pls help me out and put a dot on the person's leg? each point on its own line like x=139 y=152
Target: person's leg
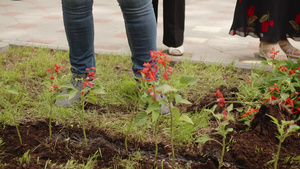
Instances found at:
x=140 y=27
x=174 y=16
x=79 y=27
x=141 y=34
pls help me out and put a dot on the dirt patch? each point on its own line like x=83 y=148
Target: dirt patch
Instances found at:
x=250 y=148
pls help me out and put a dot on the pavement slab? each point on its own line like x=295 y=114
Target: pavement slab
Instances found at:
x=207 y=23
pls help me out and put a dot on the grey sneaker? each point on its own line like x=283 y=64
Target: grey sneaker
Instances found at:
x=77 y=80
x=164 y=107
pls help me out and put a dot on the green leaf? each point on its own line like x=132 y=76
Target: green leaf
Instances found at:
x=12 y=89
x=98 y=91
x=167 y=88
x=67 y=85
x=72 y=93
x=92 y=99
x=59 y=97
x=274 y=120
x=230 y=108
x=153 y=106
x=219 y=116
x=229 y=129
x=186 y=118
x=155 y=115
x=203 y=139
x=284 y=96
x=188 y=80
x=176 y=112
x=140 y=119
x=179 y=99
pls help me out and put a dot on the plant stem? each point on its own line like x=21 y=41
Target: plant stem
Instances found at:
x=172 y=144
x=155 y=137
x=277 y=155
x=83 y=124
x=50 y=117
x=14 y=118
x=223 y=151
x=130 y=126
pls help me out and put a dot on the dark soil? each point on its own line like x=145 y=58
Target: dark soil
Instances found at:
x=250 y=148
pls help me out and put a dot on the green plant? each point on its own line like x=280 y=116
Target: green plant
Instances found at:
x=152 y=88
x=286 y=128
x=223 y=121
x=25 y=158
x=52 y=87
x=13 y=90
x=90 y=89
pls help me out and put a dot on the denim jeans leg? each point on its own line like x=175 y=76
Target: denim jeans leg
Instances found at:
x=79 y=27
x=140 y=26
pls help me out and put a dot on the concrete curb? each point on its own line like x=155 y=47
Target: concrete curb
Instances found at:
x=4 y=47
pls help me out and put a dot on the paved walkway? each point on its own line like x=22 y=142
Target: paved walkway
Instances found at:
x=39 y=22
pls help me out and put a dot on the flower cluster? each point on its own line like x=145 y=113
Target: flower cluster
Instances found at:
x=53 y=70
x=91 y=75
x=221 y=101
x=274 y=52
x=151 y=68
x=282 y=68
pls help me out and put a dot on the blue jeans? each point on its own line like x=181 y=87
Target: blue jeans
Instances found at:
x=140 y=26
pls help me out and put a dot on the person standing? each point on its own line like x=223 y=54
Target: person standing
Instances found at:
x=173 y=21
x=273 y=22
x=141 y=32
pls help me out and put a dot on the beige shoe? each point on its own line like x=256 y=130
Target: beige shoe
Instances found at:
x=271 y=51
x=176 y=51
x=289 y=50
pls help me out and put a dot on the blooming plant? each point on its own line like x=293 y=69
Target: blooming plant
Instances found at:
x=222 y=120
x=282 y=86
x=52 y=86
x=152 y=89
x=88 y=94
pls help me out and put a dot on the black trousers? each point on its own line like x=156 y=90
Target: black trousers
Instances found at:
x=173 y=19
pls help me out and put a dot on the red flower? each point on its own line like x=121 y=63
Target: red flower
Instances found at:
x=52 y=77
x=272 y=98
x=149 y=89
x=250 y=111
x=90 y=83
x=221 y=101
x=274 y=53
x=250 y=11
x=93 y=68
x=218 y=93
x=158 y=91
x=265 y=26
x=48 y=69
x=297 y=20
x=272 y=22
x=55 y=86
x=249 y=80
x=272 y=89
